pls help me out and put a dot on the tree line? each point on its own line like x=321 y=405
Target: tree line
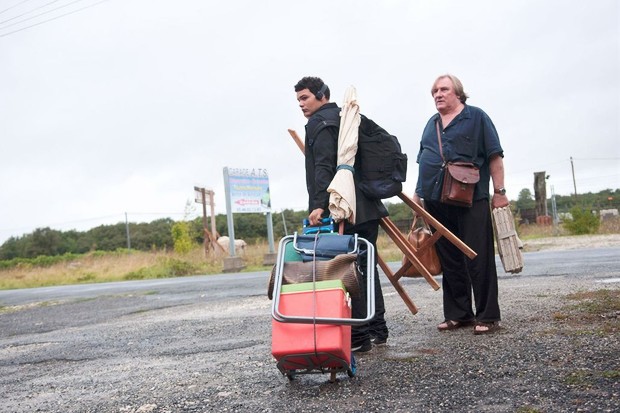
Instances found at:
x=606 y=199
x=157 y=235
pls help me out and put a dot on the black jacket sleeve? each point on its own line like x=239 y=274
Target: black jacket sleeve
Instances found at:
x=324 y=155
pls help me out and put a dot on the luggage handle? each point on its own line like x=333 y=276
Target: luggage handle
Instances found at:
x=326 y=246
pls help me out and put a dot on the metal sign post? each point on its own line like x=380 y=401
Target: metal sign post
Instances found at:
x=248 y=192
x=229 y=212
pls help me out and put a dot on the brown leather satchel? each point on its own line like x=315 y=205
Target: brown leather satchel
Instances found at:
x=426 y=253
x=459 y=180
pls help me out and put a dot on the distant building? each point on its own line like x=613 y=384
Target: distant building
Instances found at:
x=608 y=213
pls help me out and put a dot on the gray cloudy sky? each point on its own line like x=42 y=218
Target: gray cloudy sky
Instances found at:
x=124 y=106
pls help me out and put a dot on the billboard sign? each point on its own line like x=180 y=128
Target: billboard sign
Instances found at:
x=249 y=190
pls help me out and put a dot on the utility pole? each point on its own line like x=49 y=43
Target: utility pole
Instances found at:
x=554 y=210
x=284 y=223
x=127 y=232
x=203 y=201
x=573 y=169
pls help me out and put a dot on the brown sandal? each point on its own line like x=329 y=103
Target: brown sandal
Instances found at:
x=490 y=327
x=448 y=325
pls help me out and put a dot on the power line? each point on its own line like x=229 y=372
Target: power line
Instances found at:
x=29 y=11
x=15 y=5
x=548 y=165
x=51 y=19
x=596 y=159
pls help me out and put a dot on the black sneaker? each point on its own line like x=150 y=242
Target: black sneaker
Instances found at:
x=362 y=348
x=378 y=340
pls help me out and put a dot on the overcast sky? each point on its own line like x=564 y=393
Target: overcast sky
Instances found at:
x=124 y=106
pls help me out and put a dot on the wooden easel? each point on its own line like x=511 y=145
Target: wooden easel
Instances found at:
x=405 y=246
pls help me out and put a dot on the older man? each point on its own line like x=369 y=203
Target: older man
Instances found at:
x=466 y=134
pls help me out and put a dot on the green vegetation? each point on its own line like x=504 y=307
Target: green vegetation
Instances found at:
x=164 y=248
x=121 y=265
x=163 y=235
x=528 y=409
x=595 y=304
x=582 y=222
x=181 y=237
x=590 y=313
x=166 y=268
x=166 y=234
x=608 y=198
x=525 y=200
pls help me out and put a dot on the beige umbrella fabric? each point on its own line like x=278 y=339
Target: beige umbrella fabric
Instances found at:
x=342 y=188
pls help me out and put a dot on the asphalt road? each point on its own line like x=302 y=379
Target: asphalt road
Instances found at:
x=189 y=290
x=203 y=343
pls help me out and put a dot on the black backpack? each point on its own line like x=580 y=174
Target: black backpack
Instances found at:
x=380 y=162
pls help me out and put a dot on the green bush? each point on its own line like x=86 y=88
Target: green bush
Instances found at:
x=582 y=222
x=179 y=268
x=40 y=261
x=181 y=237
x=166 y=268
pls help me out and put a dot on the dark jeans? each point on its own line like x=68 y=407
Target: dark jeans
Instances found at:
x=377 y=326
x=462 y=276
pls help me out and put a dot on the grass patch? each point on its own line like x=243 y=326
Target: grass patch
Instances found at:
x=560 y=316
x=87 y=277
x=533 y=231
x=593 y=312
x=165 y=268
x=123 y=264
x=578 y=378
x=611 y=374
x=589 y=378
x=597 y=303
x=528 y=409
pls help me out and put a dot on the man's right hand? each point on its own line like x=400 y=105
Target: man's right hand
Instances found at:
x=315 y=216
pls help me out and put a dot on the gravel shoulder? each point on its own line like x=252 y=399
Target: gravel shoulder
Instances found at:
x=215 y=356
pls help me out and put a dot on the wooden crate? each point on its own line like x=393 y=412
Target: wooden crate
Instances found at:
x=508 y=243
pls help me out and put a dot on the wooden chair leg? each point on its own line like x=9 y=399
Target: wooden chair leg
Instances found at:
x=397 y=286
x=438 y=227
x=399 y=239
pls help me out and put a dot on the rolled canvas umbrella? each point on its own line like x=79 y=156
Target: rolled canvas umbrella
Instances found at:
x=342 y=188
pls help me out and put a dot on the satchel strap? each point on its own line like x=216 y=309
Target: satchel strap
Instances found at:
x=439 y=140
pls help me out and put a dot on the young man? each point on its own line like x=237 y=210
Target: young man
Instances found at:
x=467 y=134
x=321 y=147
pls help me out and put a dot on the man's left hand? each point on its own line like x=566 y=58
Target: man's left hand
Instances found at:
x=499 y=201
